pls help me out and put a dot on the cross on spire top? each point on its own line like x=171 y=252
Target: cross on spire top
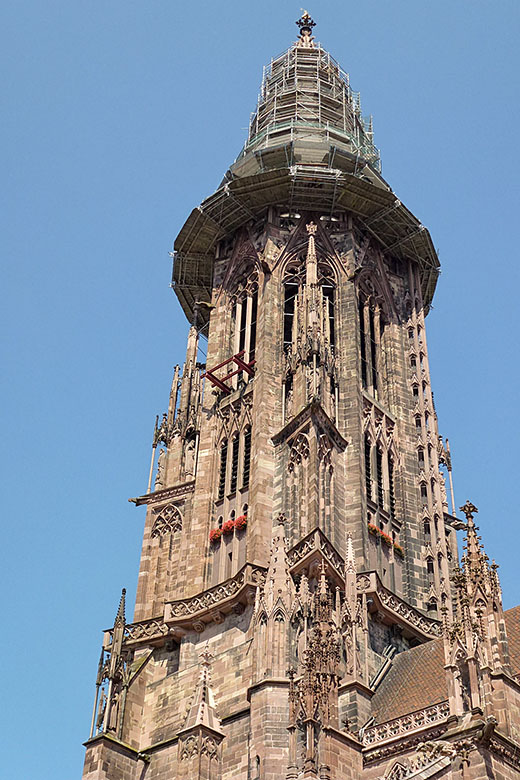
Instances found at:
x=306 y=23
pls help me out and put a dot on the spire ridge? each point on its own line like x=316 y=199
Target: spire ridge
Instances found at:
x=350 y=560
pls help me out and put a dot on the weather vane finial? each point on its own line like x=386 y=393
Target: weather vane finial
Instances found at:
x=305 y=23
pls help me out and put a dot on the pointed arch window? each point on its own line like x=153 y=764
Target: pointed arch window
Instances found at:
x=391 y=487
x=234 y=469
x=244 y=320
x=371 y=328
x=293 y=286
x=379 y=476
x=222 y=469
x=368 y=469
x=246 y=469
x=234 y=464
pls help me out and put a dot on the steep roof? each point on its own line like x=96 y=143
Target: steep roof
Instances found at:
x=417 y=678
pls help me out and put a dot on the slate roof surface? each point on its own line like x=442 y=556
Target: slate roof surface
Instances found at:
x=417 y=678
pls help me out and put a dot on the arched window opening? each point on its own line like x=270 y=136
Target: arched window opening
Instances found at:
x=242 y=330
x=416 y=391
x=379 y=476
x=252 y=327
x=247 y=458
x=373 y=349
x=363 y=348
x=290 y=294
x=220 y=521
x=371 y=329
x=426 y=528
x=418 y=422
x=368 y=471
x=424 y=490
x=234 y=465
x=391 y=488
x=413 y=361
x=294 y=284
x=420 y=456
x=222 y=469
x=429 y=565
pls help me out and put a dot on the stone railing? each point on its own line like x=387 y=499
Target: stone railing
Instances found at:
x=314 y=541
x=206 y=606
x=367 y=582
x=412 y=615
x=398 y=727
x=144 y=631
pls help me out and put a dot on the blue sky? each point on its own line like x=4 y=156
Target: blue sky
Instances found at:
x=118 y=119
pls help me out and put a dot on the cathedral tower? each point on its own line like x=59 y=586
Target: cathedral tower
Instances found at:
x=298 y=540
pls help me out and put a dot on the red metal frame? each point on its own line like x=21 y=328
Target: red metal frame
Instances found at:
x=242 y=366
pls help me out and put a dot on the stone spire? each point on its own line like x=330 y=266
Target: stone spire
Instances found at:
x=199 y=746
x=273 y=609
x=118 y=636
x=202 y=711
x=476 y=639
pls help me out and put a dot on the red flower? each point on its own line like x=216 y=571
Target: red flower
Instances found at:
x=399 y=550
x=241 y=523
x=228 y=527
x=373 y=529
x=215 y=534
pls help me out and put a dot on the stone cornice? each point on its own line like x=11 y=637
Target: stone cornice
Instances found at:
x=312 y=410
x=166 y=494
x=273 y=682
x=114 y=743
x=506 y=748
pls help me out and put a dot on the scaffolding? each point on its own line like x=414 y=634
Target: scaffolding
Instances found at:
x=304 y=91
x=308 y=149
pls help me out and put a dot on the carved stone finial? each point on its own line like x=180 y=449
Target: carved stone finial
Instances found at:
x=206 y=657
x=469 y=510
x=311 y=228
x=120 y=616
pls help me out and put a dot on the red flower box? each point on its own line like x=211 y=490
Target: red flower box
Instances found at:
x=241 y=523
x=228 y=527
x=215 y=534
x=398 y=550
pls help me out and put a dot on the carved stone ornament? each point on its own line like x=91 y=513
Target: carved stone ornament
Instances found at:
x=168 y=520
